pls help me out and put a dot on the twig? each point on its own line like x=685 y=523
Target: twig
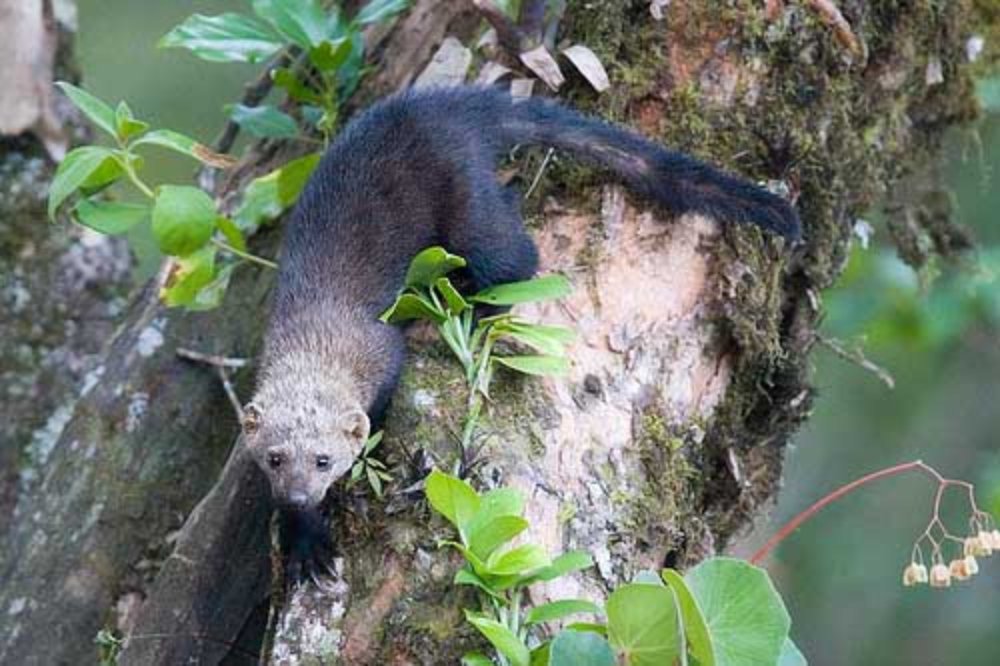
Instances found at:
x=511 y=37
x=538 y=175
x=222 y=366
x=856 y=356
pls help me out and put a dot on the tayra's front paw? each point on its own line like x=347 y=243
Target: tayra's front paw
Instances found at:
x=306 y=546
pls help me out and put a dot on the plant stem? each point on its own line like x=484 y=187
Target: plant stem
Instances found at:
x=244 y=255
x=808 y=513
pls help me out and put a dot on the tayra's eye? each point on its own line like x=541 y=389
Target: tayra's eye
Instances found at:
x=274 y=460
x=322 y=461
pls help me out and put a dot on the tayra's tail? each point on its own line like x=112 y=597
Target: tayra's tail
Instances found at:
x=676 y=181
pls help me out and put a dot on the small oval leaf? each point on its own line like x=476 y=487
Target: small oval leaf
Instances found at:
x=183 y=219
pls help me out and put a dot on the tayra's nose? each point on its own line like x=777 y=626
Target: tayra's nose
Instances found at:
x=298 y=499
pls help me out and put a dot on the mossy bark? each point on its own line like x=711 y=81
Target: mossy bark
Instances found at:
x=689 y=373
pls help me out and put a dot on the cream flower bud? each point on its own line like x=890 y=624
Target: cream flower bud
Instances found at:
x=959 y=570
x=940 y=576
x=971 y=565
x=985 y=543
x=995 y=539
x=975 y=547
x=914 y=574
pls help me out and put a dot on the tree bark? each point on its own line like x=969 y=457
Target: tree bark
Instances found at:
x=689 y=372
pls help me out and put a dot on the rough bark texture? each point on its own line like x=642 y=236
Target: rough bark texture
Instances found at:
x=688 y=375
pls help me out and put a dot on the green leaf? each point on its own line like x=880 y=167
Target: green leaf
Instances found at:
x=557 y=610
x=452 y=498
x=109 y=172
x=476 y=659
x=183 y=219
x=746 y=617
x=642 y=624
x=541 y=366
x=301 y=21
x=429 y=265
x=575 y=560
x=286 y=79
x=502 y=638
x=330 y=56
x=791 y=655
x=486 y=538
x=126 y=125
x=539 y=289
x=599 y=629
x=73 y=172
x=456 y=304
x=549 y=340
x=695 y=630
x=232 y=233
x=264 y=121
x=540 y=654
x=99 y=112
x=519 y=561
x=267 y=197
x=379 y=10
x=578 y=648
x=109 y=217
x=187 y=277
x=185 y=145
x=225 y=38
x=210 y=296
x=411 y=306
x=468 y=577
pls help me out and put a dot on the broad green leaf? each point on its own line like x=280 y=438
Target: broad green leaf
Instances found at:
x=330 y=56
x=502 y=638
x=286 y=79
x=429 y=265
x=745 y=616
x=183 y=219
x=225 y=38
x=578 y=648
x=699 y=641
x=232 y=233
x=495 y=504
x=642 y=624
x=99 y=113
x=187 y=276
x=73 y=172
x=486 y=538
x=575 y=560
x=540 y=654
x=557 y=610
x=267 y=197
x=549 y=340
x=185 y=145
x=301 y=21
x=126 y=125
x=476 y=659
x=451 y=497
x=110 y=217
x=264 y=121
x=379 y=10
x=539 y=289
x=468 y=577
x=791 y=655
x=535 y=365
x=411 y=306
x=456 y=304
x=109 y=172
x=210 y=296
x=519 y=561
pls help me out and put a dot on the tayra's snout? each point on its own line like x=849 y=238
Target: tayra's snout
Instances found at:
x=297 y=499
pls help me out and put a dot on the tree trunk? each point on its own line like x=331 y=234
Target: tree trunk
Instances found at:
x=689 y=371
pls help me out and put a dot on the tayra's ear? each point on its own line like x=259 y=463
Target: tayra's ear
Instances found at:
x=251 y=419
x=355 y=424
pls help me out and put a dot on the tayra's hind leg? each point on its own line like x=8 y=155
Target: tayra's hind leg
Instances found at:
x=494 y=241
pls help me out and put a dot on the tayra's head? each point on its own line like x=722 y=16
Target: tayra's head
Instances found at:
x=303 y=447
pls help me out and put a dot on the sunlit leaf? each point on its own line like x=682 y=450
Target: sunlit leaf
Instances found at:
x=549 y=340
x=232 y=233
x=210 y=296
x=73 y=172
x=187 y=276
x=330 y=56
x=97 y=111
x=791 y=655
x=574 y=560
x=502 y=638
x=409 y=307
x=451 y=497
x=225 y=38
x=183 y=219
x=642 y=624
x=110 y=217
x=126 y=125
x=699 y=640
x=519 y=561
x=185 y=145
x=541 y=366
x=476 y=659
x=301 y=21
x=431 y=264
x=557 y=610
x=539 y=289
x=267 y=197
x=485 y=538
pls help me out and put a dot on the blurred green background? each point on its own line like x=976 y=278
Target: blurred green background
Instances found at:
x=840 y=574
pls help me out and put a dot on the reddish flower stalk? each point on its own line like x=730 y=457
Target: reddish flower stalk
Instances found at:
x=805 y=515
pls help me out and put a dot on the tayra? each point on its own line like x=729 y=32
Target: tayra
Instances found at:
x=416 y=170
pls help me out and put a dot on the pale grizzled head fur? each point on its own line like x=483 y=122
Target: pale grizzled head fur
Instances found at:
x=305 y=426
